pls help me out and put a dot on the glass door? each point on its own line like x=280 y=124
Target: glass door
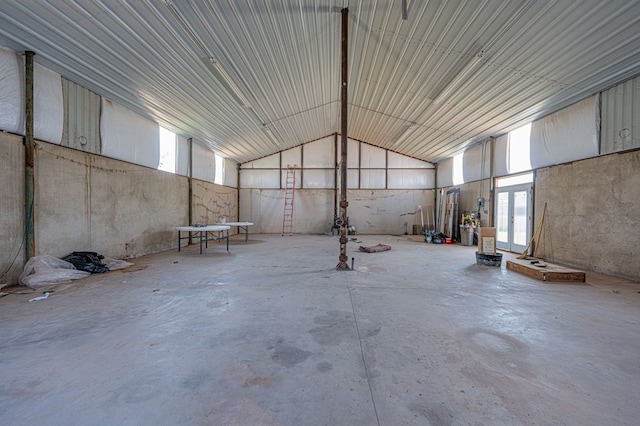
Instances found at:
x=513 y=217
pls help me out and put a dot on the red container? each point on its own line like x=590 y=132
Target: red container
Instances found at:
x=447 y=240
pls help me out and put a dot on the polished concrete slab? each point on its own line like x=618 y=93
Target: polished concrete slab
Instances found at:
x=271 y=334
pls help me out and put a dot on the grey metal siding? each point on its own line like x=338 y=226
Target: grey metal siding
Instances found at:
x=81 y=118
x=620 y=127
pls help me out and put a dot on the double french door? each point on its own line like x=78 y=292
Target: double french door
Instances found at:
x=513 y=217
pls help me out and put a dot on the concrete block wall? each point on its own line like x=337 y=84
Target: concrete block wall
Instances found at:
x=593 y=214
x=11 y=208
x=89 y=202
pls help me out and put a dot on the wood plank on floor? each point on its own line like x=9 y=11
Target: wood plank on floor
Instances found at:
x=545 y=271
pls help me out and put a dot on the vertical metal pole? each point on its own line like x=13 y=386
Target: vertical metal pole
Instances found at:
x=492 y=191
x=190 y=140
x=343 y=259
x=335 y=178
x=29 y=156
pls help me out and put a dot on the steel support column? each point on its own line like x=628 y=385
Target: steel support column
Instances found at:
x=343 y=259
x=190 y=140
x=29 y=159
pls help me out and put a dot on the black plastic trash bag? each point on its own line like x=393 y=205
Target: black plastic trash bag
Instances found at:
x=88 y=261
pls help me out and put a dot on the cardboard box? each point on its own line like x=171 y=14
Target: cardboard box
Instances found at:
x=486 y=240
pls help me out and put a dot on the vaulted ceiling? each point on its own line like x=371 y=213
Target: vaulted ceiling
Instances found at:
x=250 y=78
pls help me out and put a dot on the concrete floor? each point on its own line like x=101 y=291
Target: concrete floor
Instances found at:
x=271 y=334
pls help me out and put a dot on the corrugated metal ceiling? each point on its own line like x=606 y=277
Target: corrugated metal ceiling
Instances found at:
x=452 y=73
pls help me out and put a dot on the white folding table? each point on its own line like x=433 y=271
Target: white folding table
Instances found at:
x=244 y=226
x=203 y=233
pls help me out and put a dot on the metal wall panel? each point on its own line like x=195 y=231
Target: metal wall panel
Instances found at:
x=620 y=125
x=81 y=125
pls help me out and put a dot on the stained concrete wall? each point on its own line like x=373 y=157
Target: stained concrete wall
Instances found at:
x=593 y=214
x=88 y=202
x=370 y=211
x=11 y=207
x=211 y=202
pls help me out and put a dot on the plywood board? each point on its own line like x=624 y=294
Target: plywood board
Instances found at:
x=546 y=271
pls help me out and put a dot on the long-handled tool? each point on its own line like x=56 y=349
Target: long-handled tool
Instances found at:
x=535 y=236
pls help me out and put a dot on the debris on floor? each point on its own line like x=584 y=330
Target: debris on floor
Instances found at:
x=45 y=270
x=87 y=261
x=46 y=295
x=375 y=249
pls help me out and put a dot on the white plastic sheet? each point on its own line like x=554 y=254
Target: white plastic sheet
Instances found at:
x=10 y=92
x=292 y=157
x=353 y=178
x=256 y=178
x=472 y=167
x=128 y=136
x=319 y=154
x=43 y=271
x=321 y=179
x=568 y=135
x=399 y=161
x=230 y=173
x=501 y=154
x=48 y=105
x=270 y=162
x=182 y=156
x=353 y=154
x=372 y=157
x=445 y=173
x=204 y=163
x=410 y=179
x=373 y=178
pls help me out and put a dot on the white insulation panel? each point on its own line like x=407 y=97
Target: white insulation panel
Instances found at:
x=568 y=135
x=256 y=178
x=48 y=105
x=204 y=163
x=182 y=156
x=501 y=155
x=298 y=178
x=319 y=154
x=321 y=179
x=230 y=173
x=10 y=92
x=445 y=173
x=372 y=157
x=373 y=178
x=353 y=178
x=410 y=179
x=473 y=166
x=292 y=157
x=128 y=136
x=353 y=154
x=270 y=162
x=399 y=161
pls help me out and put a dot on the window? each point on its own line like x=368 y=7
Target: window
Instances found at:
x=167 y=151
x=514 y=180
x=219 y=178
x=519 y=151
x=458 y=176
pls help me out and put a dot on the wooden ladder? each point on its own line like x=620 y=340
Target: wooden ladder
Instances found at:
x=289 y=192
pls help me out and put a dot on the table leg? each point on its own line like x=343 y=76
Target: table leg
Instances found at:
x=179 y=240
x=227 y=240
x=201 y=241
